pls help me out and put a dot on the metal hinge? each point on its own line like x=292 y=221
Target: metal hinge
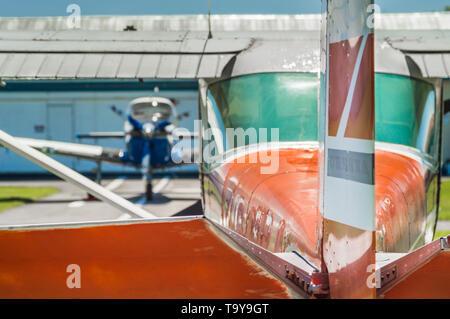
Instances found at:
x=316 y=286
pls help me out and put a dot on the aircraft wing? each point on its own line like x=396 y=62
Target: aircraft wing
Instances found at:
x=184 y=152
x=170 y=258
x=90 y=152
x=101 y=135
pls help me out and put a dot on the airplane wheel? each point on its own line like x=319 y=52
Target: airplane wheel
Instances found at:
x=149 y=192
x=89 y=197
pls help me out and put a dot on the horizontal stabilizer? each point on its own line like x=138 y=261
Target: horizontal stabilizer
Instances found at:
x=172 y=258
x=423 y=273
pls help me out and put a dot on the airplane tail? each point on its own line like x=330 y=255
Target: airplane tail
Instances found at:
x=347 y=195
x=347 y=166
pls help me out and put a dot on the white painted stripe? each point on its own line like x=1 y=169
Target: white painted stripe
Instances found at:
x=115 y=183
x=185 y=190
x=161 y=184
x=111 y=186
x=351 y=90
x=350 y=203
x=123 y=217
x=348 y=19
x=156 y=189
x=76 y=204
x=351 y=144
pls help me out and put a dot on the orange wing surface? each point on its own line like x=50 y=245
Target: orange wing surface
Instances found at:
x=179 y=259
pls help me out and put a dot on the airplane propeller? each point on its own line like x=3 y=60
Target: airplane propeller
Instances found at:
x=117 y=111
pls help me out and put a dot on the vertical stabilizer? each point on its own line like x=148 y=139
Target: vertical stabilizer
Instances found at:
x=347 y=124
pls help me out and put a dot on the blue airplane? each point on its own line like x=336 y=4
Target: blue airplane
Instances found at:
x=152 y=140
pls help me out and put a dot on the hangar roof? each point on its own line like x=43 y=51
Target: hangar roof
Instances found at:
x=256 y=22
x=179 y=47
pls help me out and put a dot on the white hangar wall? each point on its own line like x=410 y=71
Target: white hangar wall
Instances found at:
x=59 y=115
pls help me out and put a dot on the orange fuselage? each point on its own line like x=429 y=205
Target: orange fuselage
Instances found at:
x=279 y=211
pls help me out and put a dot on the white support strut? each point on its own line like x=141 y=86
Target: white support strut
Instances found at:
x=72 y=177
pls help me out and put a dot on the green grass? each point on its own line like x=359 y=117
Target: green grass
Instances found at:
x=441 y=233
x=12 y=196
x=444 y=204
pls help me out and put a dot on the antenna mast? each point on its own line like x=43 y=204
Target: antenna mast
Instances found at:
x=209 y=20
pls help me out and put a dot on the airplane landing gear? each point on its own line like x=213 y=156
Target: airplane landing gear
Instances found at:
x=148 y=191
x=148 y=182
x=98 y=175
x=147 y=174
